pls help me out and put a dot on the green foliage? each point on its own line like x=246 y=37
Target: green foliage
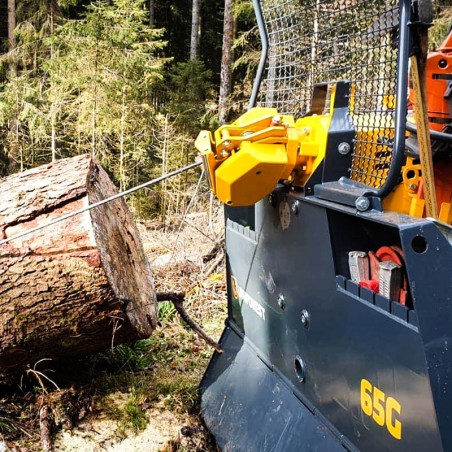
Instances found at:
x=247 y=48
x=93 y=76
x=441 y=25
x=83 y=85
x=175 y=17
x=173 y=149
x=133 y=357
x=244 y=13
x=190 y=86
x=134 y=415
x=67 y=3
x=105 y=66
x=176 y=376
x=166 y=311
x=7 y=426
x=129 y=414
x=160 y=369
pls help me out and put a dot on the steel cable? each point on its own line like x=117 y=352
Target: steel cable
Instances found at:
x=100 y=203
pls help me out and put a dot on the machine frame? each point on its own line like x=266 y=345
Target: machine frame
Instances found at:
x=313 y=360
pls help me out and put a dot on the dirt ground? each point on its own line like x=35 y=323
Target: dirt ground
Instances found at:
x=141 y=396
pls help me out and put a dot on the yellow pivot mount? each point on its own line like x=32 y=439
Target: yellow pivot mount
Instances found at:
x=246 y=159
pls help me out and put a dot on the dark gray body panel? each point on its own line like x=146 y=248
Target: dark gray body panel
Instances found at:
x=297 y=262
x=258 y=408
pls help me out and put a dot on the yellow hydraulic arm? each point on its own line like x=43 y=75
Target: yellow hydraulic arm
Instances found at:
x=245 y=160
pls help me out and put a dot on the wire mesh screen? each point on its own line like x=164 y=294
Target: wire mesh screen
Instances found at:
x=324 y=41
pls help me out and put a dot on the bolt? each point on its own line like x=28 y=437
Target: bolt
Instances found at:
x=281 y=301
x=224 y=153
x=412 y=187
x=272 y=200
x=295 y=207
x=227 y=143
x=276 y=121
x=305 y=318
x=362 y=203
x=343 y=148
x=306 y=130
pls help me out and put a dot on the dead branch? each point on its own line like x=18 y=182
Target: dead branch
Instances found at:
x=214 y=264
x=217 y=248
x=45 y=427
x=177 y=298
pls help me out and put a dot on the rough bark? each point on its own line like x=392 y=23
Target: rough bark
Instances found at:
x=11 y=36
x=151 y=13
x=78 y=286
x=226 y=60
x=195 y=21
x=15 y=152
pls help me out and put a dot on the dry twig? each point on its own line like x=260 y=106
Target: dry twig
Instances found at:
x=214 y=265
x=177 y=298
x=45 y=427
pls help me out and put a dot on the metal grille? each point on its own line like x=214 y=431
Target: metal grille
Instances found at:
x=324 y=41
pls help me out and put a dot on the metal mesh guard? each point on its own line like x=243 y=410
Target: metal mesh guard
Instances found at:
x=324 y=41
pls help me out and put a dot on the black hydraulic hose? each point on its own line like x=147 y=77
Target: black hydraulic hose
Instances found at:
x=440 y=136
x=264 y=52
x=400 y=113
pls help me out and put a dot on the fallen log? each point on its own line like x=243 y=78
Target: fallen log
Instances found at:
x=76 y=287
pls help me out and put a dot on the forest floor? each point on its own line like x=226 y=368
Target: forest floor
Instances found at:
x=141 y=396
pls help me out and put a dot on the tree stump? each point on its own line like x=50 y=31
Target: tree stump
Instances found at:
x=76 y=287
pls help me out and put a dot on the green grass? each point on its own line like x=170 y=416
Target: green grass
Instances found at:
x=133 y=357
x=165 y=311
x=134 y=414
x=7 y=426
x=129 y=414
x=164 y=370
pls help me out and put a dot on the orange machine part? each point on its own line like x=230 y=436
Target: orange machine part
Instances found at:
x=438 y=75
x=443 y=183
x=446 y=45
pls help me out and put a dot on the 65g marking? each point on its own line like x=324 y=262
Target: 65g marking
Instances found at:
x=385 y=411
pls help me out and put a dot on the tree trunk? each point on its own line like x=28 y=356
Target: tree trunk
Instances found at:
x=76 y=287
x=15 y=153
x=11 y=35
x=194 y=41
x=151 y=13
x=226 y=60
x=52 y=9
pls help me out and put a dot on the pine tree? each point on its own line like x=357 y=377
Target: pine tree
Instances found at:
x=190 y=85
x=107 y=63
x=84 y=85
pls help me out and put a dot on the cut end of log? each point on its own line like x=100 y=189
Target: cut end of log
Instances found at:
x=122 y=253
x=75 y=287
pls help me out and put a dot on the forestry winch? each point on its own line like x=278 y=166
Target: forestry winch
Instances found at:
x=339 y=314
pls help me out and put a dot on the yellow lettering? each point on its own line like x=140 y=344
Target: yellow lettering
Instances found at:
x=379 y=409
x=366 y=399
x=393 y=425
x=384 y=411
